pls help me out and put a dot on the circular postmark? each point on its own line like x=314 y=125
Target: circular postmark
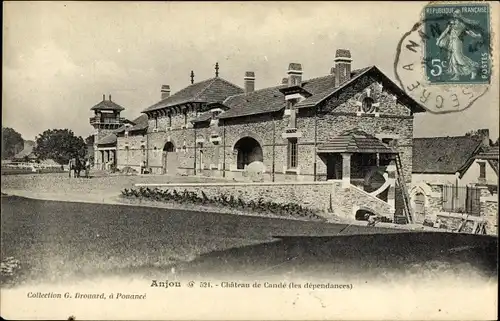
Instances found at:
x=444 y=61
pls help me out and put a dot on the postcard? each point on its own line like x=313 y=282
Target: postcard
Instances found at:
x=250 y=160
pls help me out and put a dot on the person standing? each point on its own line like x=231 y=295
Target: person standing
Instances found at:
x=71 y=167
x=87 y=168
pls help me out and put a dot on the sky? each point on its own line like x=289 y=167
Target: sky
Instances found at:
x=59 y=58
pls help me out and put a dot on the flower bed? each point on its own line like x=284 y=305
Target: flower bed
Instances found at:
x=191 y=198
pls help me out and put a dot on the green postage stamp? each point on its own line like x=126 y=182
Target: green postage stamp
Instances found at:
x=457 y=46
x=445 y=61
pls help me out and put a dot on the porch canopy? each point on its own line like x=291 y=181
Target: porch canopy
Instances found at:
x=354 y=141
x=353 y=148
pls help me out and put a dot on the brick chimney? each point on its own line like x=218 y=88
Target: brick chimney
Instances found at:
x=165 y=91
x=103 y=97
x=485 y=134
x=294 y=74
x=110 y=97
x=342 y=66
x=249 y=81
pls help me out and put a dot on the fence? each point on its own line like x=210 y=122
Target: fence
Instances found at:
x=462 y=199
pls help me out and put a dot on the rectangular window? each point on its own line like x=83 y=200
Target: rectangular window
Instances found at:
x=185 y=118
x=292 y=153
x=169 y=120
x=156 y=121
x=482 y=170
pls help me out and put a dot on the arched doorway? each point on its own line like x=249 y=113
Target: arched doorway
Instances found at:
x=361 y=214
x=248 y=151
x=169 y=157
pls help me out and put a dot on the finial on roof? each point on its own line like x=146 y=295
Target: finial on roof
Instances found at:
x=192 y=77
x=216 y=69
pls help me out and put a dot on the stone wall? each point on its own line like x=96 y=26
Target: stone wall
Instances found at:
x=314 y=195
x=393 y=120
x=347 y=201
x=130 y=151
x=329 y=197
x=434 y=208
x=489 y=210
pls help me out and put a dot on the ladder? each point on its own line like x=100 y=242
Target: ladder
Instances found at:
x=400 y=179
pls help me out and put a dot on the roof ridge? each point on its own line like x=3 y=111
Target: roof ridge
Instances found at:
x=459 y=136
x=229 y=83
x=277 y=86
x=352 y=79
x=255 y=91
x=319 y=77
x=210 y=82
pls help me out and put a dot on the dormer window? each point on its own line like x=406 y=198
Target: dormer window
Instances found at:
x=216 y=112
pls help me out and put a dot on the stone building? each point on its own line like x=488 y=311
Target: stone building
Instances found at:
x=343 y=125
x=448 y=160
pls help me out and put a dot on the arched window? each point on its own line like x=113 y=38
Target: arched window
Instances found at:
x=367 y=105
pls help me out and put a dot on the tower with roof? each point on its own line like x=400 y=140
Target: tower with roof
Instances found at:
x=105 y=121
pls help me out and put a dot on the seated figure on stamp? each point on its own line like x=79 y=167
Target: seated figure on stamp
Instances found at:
x=451 y=40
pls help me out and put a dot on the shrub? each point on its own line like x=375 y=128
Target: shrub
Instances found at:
x=186 y=197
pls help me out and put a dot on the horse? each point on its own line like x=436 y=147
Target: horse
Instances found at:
x=75 y=165
x=79 y=166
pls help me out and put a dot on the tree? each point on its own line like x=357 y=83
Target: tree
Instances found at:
x=12 y=142
x=60 y=145
x=89 y=140
x=473 y=133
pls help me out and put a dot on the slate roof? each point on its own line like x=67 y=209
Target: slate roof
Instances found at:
x=444 y=155
x=270 y=99
x=107 y=140
x=139 y=123
x=210 y=90
x=354 y=141
x=372 y=70
x=489 y=153
x=107 y=105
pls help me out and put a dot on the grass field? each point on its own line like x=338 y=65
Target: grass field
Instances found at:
x=59 y=241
